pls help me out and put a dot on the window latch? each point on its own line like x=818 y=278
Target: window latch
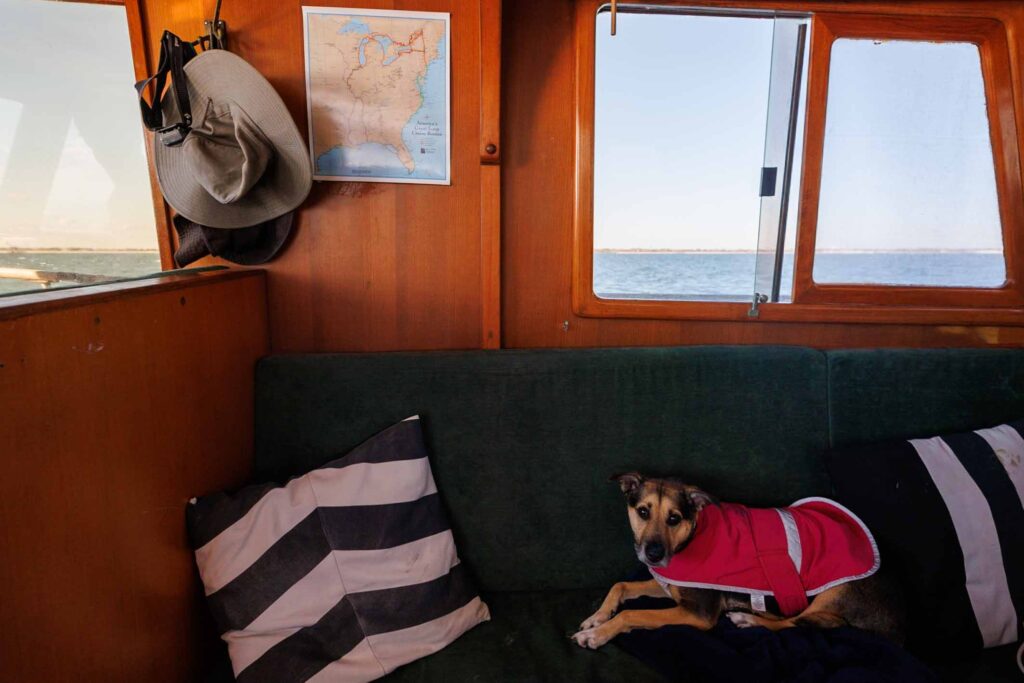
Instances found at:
x=768 y=176
x=759 y=299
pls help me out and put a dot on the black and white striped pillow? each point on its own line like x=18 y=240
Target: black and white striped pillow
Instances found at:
x=342 y=574
x=949 y=514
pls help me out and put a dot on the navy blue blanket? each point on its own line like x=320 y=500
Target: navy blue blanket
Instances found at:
x=756 y=655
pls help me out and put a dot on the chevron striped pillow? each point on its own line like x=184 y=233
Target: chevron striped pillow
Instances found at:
x=342 y=574
x=949 y=514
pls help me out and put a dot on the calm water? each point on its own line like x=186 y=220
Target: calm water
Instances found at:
x=731 y=276
x=114 y=264
x=713 y=276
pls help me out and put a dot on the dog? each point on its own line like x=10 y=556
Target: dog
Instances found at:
x=665 y=515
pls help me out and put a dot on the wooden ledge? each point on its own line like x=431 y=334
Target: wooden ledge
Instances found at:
x=33 y=303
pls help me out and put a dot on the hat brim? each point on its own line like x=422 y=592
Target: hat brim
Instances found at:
x=220 y=75
x=258 y=243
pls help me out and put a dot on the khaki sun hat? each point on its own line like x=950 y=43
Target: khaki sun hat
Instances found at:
x=242 y=161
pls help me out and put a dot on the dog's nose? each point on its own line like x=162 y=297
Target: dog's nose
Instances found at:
x=655 y=552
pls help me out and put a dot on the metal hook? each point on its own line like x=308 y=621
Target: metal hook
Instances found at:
x=216 y=31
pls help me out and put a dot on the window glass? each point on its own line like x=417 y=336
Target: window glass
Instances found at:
x=681 y=105
x=75 y=198
x=908 y=191
x=679 y=126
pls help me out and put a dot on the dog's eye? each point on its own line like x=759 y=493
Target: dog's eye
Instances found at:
x=674 y=519
x=643 y=512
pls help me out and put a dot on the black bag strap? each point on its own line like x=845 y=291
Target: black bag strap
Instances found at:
x=174 y=55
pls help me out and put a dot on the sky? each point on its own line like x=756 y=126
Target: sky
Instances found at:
x=73 y=170
x=679 y=137
x=680 y=114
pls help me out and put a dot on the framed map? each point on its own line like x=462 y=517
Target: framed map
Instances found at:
x=378 y=94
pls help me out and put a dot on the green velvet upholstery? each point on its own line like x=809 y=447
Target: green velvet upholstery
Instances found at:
x=878 y=395
x=527 y=641
x=523 y=442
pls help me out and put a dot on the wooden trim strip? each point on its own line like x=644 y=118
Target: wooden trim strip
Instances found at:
x=490 y=174
x=583 y=297
x=814 y=145
x=800 y=313
x=34 y=303
x=490 y=256
x=490 y=82
x=137 y=34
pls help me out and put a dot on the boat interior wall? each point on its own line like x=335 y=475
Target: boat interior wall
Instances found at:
x=539 y=181
x=117 y=407
x=375 y=266
x=488 y=261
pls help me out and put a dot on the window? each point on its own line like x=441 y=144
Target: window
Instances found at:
x=688 y=109
x=751 y=164
x=908 y=187
x=75 y=198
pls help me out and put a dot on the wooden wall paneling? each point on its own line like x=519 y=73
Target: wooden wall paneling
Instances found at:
x=538 y=204
x=490 y=173
x=116 y=410
x=371 y=266
x=490 y=81
x=490 y=255
x=143 y=69
x=820 y=54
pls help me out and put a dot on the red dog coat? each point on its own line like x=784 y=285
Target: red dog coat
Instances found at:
x=789 y=553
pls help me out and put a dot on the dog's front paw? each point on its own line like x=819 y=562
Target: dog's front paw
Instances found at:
x=742 y=619
x=595 y=619
x=592 y=638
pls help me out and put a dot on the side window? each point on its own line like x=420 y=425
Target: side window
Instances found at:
x=908 y=184
x=691 y=126
x=852 y=167
x=75 y=198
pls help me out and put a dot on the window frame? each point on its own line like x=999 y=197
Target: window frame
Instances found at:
x=812 y=302
x=989 y=36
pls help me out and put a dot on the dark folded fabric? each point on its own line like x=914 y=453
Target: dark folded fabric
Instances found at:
x=728 y=654
x=250 y=246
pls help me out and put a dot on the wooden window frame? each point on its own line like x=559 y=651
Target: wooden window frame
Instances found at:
x=814 y=302
x=989 y=36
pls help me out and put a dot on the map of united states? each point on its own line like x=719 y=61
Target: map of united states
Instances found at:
x=378 y=96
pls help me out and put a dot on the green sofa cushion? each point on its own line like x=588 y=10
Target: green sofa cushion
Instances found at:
x=527 y=641
x=523 y=442
x=884 y=394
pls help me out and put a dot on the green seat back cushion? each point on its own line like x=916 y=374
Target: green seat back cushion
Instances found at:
x=523 y=442
x=883 y=394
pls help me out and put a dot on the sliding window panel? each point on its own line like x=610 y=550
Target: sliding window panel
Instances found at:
x=680 y=103
x=773 y=267
x=76 y=204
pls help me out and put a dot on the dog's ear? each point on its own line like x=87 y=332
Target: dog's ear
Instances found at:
x=629 y=482
x=700 y=499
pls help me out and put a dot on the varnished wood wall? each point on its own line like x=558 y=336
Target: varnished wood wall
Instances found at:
x=371 y=266
x=538 y=180
x=113 y=413
x=377 y=267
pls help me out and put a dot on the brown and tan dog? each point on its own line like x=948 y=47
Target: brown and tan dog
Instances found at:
x=663 y=514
